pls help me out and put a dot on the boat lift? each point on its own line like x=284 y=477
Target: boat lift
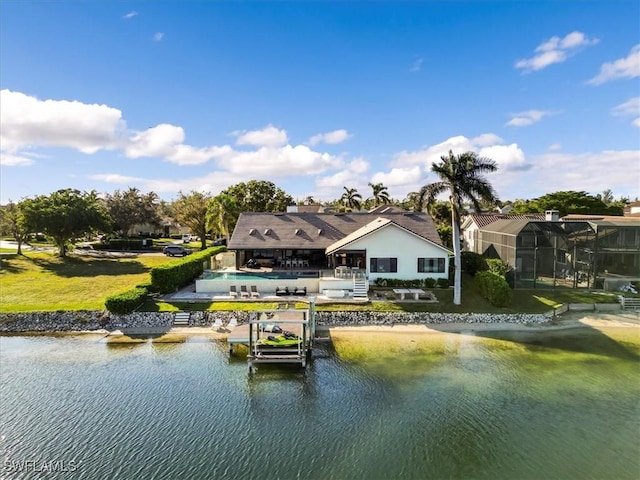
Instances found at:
x=299 y=322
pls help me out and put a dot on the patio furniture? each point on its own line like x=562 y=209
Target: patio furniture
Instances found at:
x=233 y=323
x=254 y=292
x=282 y=291
x=243 y=291
x=300 y=291
x=233 y=291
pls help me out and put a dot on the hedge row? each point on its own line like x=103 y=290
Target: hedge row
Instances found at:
x=415 y=283
x=171 y=276
x=494 y=288
x=126 y=302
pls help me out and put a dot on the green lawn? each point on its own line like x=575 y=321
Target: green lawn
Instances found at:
x=44 y=282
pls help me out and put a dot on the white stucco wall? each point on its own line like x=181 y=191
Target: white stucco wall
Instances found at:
x=393 y=242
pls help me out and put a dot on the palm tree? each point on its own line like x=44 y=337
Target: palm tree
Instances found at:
x=380 y=194
x=351 y=199
x=460 y=175
x=309 y=200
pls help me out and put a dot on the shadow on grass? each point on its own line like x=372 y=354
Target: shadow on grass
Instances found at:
x=10 y=267
x=88 y=266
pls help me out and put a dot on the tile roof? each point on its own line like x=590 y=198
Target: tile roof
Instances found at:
x=484 y=219
x=317 y=230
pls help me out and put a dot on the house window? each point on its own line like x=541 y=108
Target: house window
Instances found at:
x=384 y=265
x=431 y=265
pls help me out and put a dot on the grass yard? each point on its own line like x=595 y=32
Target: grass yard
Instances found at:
x=45 y=282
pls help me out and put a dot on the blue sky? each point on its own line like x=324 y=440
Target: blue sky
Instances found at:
x=315 y=96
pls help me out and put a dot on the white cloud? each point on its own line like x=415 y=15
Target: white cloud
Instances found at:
x=629 y=108
x=398 y=176
x=166 y=141
x=416 y=66
x=628 y=67
x=555 y=50
x=529 y=117
x=458 y=144
x=287 y=160
x=336 y=136
x=350 y=176
x=130 y=15
x=555 y=146
x=158 y=36
x=591 y=171
x=507 y=157
x=269 y=136
x=29 y=122
x=115 y=178
x=9 y=160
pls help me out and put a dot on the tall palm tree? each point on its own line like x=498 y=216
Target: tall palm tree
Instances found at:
x=380 y=194
x=351 y=199
x=462 y=176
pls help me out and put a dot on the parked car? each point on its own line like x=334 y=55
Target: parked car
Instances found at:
x=175 y=250
x=219 y=242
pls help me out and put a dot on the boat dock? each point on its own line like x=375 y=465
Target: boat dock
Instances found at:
x=282 y=336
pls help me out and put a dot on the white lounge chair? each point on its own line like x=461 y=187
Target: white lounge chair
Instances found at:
x=217 y=325
x=254 y=292
x=233 y=291
x=233 y=323
x=243 y=291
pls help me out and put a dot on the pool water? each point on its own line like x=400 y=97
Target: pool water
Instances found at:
x=246 y=276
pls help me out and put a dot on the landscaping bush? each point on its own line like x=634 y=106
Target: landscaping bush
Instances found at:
x=120 y=244
x=472 y=262
x=494 y=288
x=442 y=283
x=178 y=273
x=497 y=266
x=126 y=302
x=399 y=283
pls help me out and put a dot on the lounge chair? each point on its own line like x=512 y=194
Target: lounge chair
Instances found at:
x=217 y=325
x=232 y=323
x=254 y=292
x=233 y=291
x=300 y=291
x=243 y=291
x=282 y=291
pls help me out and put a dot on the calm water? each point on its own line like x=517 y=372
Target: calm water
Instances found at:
x=553 y=406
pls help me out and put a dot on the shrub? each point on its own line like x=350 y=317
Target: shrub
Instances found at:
x=442 y=283
x=497 y=266
x=126 y=302
x=121 y=244
x=494 y=288
x=473 y=262
x=430 y=282
x=178 y=273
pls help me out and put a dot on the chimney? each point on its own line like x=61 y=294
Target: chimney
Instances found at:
x=552 y=215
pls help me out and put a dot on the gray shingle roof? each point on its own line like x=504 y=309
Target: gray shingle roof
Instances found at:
x=317 y=230
x=484 y=219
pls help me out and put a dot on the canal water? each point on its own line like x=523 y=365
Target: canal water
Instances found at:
x=510 y=405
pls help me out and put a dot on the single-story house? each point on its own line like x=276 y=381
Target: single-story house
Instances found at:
x=394 y=244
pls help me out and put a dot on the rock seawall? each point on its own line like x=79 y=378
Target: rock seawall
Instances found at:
x=97 y=320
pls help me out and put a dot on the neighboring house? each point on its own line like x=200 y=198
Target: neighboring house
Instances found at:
x=632 y=209
x=590 y=251
x=472 y=223
x=403 y=245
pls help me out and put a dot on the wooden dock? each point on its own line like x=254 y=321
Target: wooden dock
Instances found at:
x=299 y=322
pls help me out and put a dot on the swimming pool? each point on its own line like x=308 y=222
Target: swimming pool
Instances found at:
x=247 y=276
